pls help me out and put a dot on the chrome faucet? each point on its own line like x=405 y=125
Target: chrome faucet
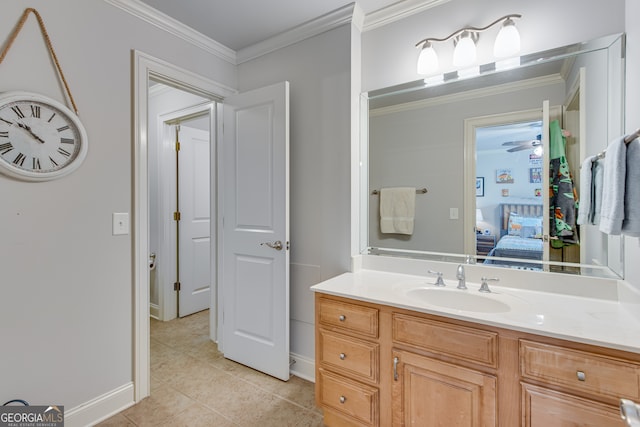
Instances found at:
x=461 y=278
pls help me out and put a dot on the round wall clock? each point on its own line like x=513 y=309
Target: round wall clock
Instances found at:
x=40 y=138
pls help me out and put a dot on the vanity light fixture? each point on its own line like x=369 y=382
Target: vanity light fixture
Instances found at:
x=507 y=45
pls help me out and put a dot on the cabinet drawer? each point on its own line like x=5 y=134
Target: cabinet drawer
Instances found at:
x=547 y=408
x=349 y=355
x=351 y=317
x=579 y=370
x=457 y=341
x=350 y=398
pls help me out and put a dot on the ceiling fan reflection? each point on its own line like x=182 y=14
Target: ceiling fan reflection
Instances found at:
x=527 y=144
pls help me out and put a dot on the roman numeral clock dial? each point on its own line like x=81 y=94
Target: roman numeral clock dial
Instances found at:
x=40 y=138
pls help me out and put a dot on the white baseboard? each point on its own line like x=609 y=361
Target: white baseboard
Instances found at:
x=100 y=408
x=154 y=311
x=303 y=367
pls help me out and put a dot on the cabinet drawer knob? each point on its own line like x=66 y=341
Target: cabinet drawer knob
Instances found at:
x=343 y=399
x=342 y=356
x=342 y=318
x=581 y=376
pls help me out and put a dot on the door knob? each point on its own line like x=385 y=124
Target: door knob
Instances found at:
x=277 y=245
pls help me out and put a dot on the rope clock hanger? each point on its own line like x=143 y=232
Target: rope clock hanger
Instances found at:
x=40 y=138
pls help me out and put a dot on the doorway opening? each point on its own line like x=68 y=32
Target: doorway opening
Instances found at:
x=146 y=69
x=255 y=201
x=182 y=183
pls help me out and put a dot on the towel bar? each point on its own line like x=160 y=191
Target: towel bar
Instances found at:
x=418 y=191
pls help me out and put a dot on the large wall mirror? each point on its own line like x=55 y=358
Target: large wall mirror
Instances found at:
x=483 y=148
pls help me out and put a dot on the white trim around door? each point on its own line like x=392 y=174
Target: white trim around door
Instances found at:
x=145 y=67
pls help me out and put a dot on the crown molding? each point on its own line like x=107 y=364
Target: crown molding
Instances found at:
x=309 y=29
x=358 y=17
x=172 y=26
x=397 y=11
x=344 y=15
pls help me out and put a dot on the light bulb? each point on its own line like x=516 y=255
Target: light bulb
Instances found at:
x=428 y=60
x=507 y=42
x=464 y=53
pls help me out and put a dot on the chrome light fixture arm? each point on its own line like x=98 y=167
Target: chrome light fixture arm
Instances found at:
x=471 y=30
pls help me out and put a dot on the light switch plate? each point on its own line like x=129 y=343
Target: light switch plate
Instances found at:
x=453 y=213
x=120 y=223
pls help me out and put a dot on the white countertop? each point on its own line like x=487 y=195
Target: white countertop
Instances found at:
x=595 y=321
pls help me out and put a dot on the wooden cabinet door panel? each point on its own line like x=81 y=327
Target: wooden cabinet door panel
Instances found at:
x=429 y=393
x=547 y=408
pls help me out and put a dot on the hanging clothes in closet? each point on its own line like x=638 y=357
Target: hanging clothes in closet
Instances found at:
x=563 y=198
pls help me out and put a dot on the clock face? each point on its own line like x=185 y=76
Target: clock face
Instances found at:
x=40 y=139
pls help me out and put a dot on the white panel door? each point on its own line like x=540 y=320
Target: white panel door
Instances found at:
x=255 y=242
x=194 y=241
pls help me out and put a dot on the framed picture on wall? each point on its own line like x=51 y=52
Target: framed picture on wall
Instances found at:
x=479 y=186
x=535 y=175
x=504 y=176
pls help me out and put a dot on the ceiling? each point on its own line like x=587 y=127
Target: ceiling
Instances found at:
x=238 y=24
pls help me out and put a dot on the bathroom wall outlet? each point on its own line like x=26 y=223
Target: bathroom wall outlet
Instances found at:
x=120 y=223
x=453 y=213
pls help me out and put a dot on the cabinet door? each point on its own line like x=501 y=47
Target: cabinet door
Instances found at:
x=428 y=392
x=547 y=408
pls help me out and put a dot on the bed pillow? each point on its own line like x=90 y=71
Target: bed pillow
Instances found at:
x=514 y=227
x=531 y=227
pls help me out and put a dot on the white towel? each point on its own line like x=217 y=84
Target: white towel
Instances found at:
x=397 y=210
x=613 y=183
x=584 y=209
x=631 y=222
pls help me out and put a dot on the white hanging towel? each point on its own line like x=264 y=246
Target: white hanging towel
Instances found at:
x=397 y=210
x=613 y=183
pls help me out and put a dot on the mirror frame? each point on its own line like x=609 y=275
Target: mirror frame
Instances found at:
x=542 y=57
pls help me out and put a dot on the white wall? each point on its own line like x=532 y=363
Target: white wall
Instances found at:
x=66 y=302
x=319 y=73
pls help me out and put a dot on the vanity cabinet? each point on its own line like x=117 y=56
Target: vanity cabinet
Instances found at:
x=378 y=365
x=347 y=363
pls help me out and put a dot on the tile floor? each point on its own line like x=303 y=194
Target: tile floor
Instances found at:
x=193 y=385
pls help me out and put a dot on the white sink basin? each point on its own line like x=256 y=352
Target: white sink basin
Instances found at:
x=458 y=299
